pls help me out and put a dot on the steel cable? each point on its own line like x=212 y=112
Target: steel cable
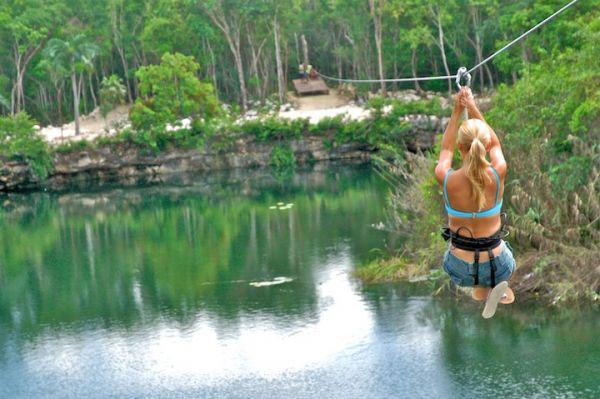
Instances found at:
x=420 y=79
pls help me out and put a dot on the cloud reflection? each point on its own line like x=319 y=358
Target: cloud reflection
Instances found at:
x=259 y=346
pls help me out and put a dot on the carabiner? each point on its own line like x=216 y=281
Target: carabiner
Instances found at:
x=462 y=73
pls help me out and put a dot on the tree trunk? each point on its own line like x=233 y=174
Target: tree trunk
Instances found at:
x=75 y=102
x=477 y=44
x=256 y=53
x=233 y=39
x=20 y=92
x=376 y=13
x=125 y=72
x=12 y=100
x=280 y=87
x=22 y=60
x=121 y=51
x=91 y=85
x=479 y=59
x=254 y=66
x=59 y=97
x=490 y=77
x=286 y=65
x=240 y=70
x=443 y=48
x=214 y=67
x=82 y=93
x=354 y=57
x=304 y=49
x=297 y=48
x=413 y=65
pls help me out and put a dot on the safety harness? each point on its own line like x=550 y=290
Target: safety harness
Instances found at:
x=477 y=245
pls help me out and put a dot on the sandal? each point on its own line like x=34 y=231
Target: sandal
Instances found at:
x=494 y=297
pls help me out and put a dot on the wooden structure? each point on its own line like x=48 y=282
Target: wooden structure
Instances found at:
x=312 y=86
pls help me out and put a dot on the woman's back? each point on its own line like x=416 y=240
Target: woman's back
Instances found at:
x=460 y=196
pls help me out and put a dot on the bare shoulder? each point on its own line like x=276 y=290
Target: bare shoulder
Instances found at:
x=443 y=166
x=501 y=167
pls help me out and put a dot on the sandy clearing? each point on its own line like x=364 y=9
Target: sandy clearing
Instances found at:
x=314 y=108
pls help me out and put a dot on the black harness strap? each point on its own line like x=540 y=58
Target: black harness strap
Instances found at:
x=477 y=245
x=476 y=264
x=492 y=267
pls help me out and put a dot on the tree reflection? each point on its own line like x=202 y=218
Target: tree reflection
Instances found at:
x=128 y=256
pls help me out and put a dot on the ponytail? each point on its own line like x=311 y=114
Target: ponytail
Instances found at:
x=476 y=171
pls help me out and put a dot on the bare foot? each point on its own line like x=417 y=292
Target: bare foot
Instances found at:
x=508 y=297
x=480 y=293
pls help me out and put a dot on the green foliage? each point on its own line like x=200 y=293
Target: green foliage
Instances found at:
x=73 y=146
x=165 y=35
x=548 y=126
x=20 y=141
x=112 y=93
x=282 y=158
x=326 y=124
x=4 y=102
x=75 y=55
x=415 y=213
x=171 y=91
x=275 y=128
x=129 y=34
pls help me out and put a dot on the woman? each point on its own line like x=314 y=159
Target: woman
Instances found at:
x=477 y=255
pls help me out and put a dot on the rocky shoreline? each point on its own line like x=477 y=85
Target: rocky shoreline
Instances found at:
x=130 y=165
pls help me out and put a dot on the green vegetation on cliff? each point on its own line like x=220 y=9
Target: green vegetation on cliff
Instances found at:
x=548 y=125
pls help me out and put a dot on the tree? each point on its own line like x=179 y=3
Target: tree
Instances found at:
x=4 y=102
x=57 y=72
x=229 y=17
x=76 y=56
x=171 y=91
x=376 y=9
x=20 y=140
x=26 y=26
x=438 y=13
x=280 y=80
x=112 y=93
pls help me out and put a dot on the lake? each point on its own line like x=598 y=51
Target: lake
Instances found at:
x=240 y=286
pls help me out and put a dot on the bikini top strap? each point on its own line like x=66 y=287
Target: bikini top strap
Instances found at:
x=497 y=183
x=448 y=173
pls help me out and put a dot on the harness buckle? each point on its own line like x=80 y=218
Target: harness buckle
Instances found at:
x=473 y=215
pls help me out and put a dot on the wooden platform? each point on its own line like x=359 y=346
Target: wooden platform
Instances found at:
x=313 y=86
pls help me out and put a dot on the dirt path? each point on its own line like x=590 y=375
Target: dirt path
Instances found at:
x=314 y=102
x=317 y=107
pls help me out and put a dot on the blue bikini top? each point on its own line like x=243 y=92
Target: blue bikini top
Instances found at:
x=473 y=215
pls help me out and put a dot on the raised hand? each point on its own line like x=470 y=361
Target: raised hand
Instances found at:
x=466 y=98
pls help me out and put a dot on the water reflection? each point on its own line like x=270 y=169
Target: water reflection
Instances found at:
x=127 y=255
x=204 y=290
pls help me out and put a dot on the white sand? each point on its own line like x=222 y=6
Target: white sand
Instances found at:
x=92 y=126
x=313 y=108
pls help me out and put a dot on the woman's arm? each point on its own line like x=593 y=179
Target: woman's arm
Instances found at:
x=449 y=141
x=496 y=155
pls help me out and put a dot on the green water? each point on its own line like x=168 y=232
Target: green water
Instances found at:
x=203 y=290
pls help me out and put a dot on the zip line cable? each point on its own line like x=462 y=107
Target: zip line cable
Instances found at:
x=462 y=72
x=388 y=80
x=551 y=17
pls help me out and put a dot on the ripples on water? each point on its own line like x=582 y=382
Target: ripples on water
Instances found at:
x=203 y=291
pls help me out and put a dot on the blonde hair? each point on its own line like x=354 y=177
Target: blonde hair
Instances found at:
x=474 y=137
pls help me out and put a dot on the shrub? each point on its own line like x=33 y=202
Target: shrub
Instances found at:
x=282 y=158
x=112 y=93
x=20 y=141
x=171 y=91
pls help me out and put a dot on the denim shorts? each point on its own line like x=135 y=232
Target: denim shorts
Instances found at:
x=463 y=273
